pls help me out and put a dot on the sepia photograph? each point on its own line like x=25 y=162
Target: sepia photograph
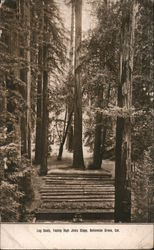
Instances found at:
x=77 y=116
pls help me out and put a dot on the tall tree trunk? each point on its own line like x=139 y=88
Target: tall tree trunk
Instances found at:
x=105 y=123
x=71 y=72
x=39 y=90
x=123 y=130
x=44 y=133
x=97 y=158
x=39 y=111
x=15 y=47
x=28 y=81
x=3 y=109
x=23 y=77
x=78 y=161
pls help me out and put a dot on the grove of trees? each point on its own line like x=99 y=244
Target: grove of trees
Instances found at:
x=95 y=90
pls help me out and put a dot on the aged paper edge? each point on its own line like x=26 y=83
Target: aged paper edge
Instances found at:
x=101 y=236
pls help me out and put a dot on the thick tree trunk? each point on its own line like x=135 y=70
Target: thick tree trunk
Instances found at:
x=97 y=158
x=123 y=130
x=44 y=134
x=45 y=115
x=78 y=161
x=71 y=72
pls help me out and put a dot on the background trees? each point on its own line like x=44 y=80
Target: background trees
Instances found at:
x=102 y=76
x=14 y=193
x=126 y=30
x=31 y=52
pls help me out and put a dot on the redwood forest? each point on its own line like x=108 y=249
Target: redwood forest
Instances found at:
x=77 y=110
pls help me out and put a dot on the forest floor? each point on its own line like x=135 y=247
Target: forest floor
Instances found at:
x=65 y=165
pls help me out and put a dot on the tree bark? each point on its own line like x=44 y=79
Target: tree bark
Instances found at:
x=44 y=134
x=25 y=76
x=97 y=158
x=105 y=125
x=39 y=109
x=3 y=109
x=71 y=72
x=45 y=115
x=100 y=137
x=38 y=142
x=123 y=130
x=64 y=137
x=78 y=161
x=28 y=82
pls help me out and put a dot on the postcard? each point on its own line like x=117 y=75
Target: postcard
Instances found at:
x=76 y=124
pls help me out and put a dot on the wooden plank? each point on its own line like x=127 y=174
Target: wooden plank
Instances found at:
x=77 y=178
x=78 y=194
x=74 y=197
x=78 y=205
x=83 y=173
x=91 y=188
x=79 y=187
x=72 y=192
x=47 y=199
x=78 y=183
x=50 y=210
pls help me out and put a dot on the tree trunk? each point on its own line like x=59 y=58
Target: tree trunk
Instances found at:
x=38 y=142
x=98 y=147
x=71 y=72
x=97 y=158
x=3 y=109
x=64 y=137
x=123 y=130
x=70 y=134
x=100 y=137
x=105 y=123
x=28 y=82
x=24 y=75
x=44 y=133
x=39 y=110
x=78 y=161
